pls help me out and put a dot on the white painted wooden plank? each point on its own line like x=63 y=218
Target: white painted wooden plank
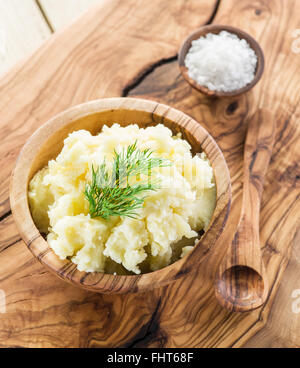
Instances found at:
x=22 y=30
x=62 y=12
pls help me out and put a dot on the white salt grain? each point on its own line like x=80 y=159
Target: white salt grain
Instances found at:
x=221 y=62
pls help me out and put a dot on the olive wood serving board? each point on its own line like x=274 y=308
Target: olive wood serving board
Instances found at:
x=129 y=48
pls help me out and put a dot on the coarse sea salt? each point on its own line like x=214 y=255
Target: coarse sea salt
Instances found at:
x=221 y=62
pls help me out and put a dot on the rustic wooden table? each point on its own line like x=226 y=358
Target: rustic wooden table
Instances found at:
x=129 y=48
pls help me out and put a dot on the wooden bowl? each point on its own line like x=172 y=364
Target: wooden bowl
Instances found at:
x=217 y=28
x=47 y=142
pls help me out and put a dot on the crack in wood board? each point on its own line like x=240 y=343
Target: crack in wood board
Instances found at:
x=5 y=215
x=130 y=88
x=144 y=74
x=43 y=13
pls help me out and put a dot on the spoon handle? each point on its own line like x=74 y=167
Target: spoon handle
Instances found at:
x=257 y=154
x=241 y=283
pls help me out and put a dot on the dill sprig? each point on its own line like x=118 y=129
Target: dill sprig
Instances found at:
x=114 y=192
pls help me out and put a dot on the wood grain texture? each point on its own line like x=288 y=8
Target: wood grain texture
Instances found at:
x=46 y=143
x=43 y=311
x=60 y=13
x=22 y=30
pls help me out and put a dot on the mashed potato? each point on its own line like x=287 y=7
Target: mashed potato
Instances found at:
x=179 y=209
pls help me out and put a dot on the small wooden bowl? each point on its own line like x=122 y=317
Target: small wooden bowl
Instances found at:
x=47 y=142
x=217 y=28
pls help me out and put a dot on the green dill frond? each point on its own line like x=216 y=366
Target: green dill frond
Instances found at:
x=110 y=192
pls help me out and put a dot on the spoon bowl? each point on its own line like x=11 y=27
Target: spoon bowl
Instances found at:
x=247 y=289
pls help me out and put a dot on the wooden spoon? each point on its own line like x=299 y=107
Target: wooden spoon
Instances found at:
x=241 y=282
